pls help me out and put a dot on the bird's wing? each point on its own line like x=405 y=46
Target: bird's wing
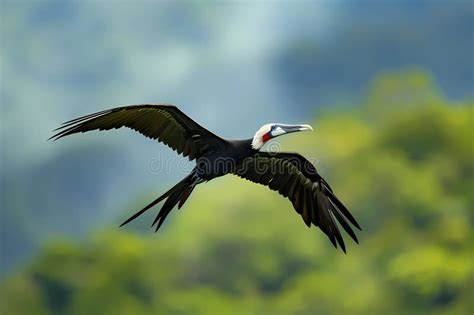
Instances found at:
x=165 y=123
x=296 y=178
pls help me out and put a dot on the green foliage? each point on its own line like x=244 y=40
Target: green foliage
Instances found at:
x=402 y=163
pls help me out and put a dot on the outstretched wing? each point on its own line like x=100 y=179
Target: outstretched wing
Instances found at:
x=296 y=178
x=165 y=123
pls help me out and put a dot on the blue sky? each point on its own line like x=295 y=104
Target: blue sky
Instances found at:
x=232 y=66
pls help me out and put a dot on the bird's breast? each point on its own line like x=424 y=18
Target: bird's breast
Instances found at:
x=211 y=167
x=215 y=165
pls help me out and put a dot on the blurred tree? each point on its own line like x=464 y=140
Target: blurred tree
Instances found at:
x=405 y=170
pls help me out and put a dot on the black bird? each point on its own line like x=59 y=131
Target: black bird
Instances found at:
x=290 y=174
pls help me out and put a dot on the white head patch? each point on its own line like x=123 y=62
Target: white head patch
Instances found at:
x=257 y=141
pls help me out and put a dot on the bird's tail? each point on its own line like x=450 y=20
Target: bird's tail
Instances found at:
x=179 y=193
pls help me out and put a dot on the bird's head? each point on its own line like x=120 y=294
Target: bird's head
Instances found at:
x=270 y=131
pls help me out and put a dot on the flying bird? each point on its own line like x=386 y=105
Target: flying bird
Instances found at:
x=290 y=174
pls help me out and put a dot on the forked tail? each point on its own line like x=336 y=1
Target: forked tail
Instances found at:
x=179 y=193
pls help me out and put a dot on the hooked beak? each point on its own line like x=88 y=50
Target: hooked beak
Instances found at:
x=284 y=129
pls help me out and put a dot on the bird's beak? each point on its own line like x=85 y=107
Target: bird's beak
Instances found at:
x=304 y=127
x=284 y=129
x=295 y=128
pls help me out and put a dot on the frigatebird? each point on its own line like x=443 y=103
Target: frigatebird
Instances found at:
x=290 y=174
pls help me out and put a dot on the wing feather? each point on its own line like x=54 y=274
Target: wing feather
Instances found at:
x=164 y=123
x=296 y=178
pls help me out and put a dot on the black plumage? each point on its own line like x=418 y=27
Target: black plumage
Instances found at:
x=290 y=174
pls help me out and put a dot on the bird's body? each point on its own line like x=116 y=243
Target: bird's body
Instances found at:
x=292 y=175
x=224 y=160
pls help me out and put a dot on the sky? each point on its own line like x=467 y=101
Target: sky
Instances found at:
x=231 y=66
x=221 y=62
x=64 y=60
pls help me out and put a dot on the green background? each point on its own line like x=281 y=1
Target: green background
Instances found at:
x=402 y=162
x=386 y=85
